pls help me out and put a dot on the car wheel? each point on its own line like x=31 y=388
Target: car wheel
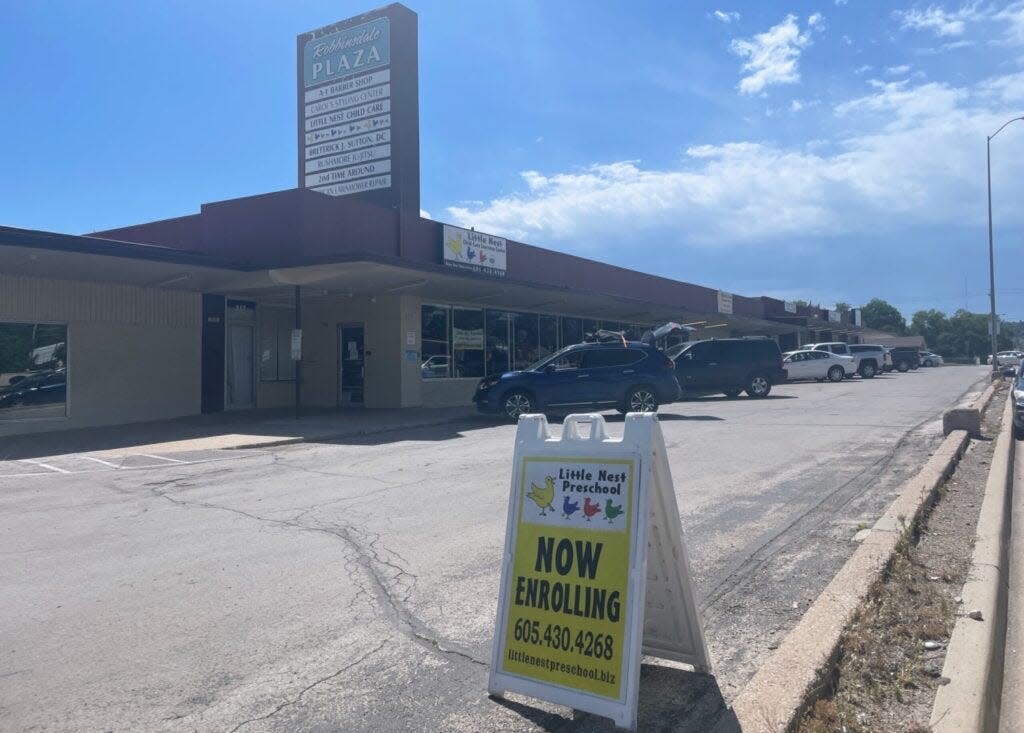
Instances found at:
x=902 y=366
x=516 y=403
x=868 y=371
x=759 y=386
x=1018 y=432
x=928 y=363
x=836 y=374
x=641 y=399
x=732 y=393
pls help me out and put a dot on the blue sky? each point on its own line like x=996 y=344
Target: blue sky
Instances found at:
x=820 y=150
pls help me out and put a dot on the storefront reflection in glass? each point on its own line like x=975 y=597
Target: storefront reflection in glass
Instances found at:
x=33 y=370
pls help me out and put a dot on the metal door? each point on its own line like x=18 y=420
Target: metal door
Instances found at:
x=239 y=373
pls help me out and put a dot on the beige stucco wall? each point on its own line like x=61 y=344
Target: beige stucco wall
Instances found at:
x=134 y=353
x=449 y=392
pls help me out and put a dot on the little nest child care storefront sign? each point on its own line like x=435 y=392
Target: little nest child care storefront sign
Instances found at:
x=595 y=571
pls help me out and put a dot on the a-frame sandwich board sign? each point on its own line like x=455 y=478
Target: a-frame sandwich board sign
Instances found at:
x=595 y=571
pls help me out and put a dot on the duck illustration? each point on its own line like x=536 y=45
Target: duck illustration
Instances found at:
x=569 y=507
x=612 y=510
x=590 y=509
x=543 y=495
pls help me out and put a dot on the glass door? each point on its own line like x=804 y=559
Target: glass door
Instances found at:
x=351 y=373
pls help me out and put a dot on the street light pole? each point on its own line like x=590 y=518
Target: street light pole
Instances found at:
x=991 y=255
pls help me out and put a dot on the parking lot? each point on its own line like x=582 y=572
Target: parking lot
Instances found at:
x=352 y=585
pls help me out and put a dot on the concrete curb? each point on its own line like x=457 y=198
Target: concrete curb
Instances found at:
x=974 y=657
x=773 y=699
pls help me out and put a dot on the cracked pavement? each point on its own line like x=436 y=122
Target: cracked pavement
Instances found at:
x=352 y=585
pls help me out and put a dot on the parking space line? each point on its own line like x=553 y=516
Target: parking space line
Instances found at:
x=162 y=458
x=44 y=465
x=99 y=460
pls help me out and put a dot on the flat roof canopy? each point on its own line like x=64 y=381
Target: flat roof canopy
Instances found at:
x=67 y=257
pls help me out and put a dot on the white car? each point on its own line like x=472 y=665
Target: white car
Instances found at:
x=820 y=365
x=928 y=359
x=1007 y=358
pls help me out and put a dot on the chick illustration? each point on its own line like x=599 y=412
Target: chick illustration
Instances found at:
x=569 y=507
x=455 y=244
x=590 y=509
x=543 y=495
x=612 y=510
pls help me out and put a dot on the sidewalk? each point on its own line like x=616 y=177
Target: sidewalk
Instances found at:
x=228 y=430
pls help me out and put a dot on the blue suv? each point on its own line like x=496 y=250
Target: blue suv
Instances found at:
x=625 y=375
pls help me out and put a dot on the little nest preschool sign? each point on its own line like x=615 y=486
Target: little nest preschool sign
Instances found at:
x=595 y=570
x=566 y=622
x=466 y=249
x=345 y=108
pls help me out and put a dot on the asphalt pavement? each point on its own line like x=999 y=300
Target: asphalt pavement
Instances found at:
x=351 y=585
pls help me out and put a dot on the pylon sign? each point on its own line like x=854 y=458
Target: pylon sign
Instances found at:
x=595 y=571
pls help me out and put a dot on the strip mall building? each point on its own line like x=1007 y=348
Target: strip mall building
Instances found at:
x=337 y=293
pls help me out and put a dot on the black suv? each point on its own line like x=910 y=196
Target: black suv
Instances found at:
x=729 y=366
x=626 y=375
x=905 y=357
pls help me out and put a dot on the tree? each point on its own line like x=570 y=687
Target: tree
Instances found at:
x=842 y=309
x=933 y=325
x=883 y=316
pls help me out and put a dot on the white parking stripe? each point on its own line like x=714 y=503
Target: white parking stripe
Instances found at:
x=162 y=458
x=44 y=465
x=100 y=460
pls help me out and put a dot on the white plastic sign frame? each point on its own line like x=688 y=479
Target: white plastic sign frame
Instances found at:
x=574 y=592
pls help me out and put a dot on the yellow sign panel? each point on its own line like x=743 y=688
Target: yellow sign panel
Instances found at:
x=567 y=594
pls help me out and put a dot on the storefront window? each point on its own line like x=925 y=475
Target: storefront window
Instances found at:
x=590 y=327
x=572 y=331
x=497 y=357
x=468 y=342
x=525 y=340
x=33 y=370
x=548 y=336
x=434 y=335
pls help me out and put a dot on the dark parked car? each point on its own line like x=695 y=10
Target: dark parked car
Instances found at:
x=730 y=366
x=625 y=375
x=904 y=358
x=36 y=389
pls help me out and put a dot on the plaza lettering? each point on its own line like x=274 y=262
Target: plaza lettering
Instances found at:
x=566 y=559
x=332 y=66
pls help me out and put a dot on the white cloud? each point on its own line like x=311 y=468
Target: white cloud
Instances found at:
x=919 y=160
x=424 y=214
x=898 y=70
x=772 y=56
x=726 y=16
x=841 y=2
x=1012 y=19
x=862 y=69
x=939 y=21
x=796 y=105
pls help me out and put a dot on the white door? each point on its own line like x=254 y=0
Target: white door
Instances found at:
x=799 y=367
x=239 y=373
